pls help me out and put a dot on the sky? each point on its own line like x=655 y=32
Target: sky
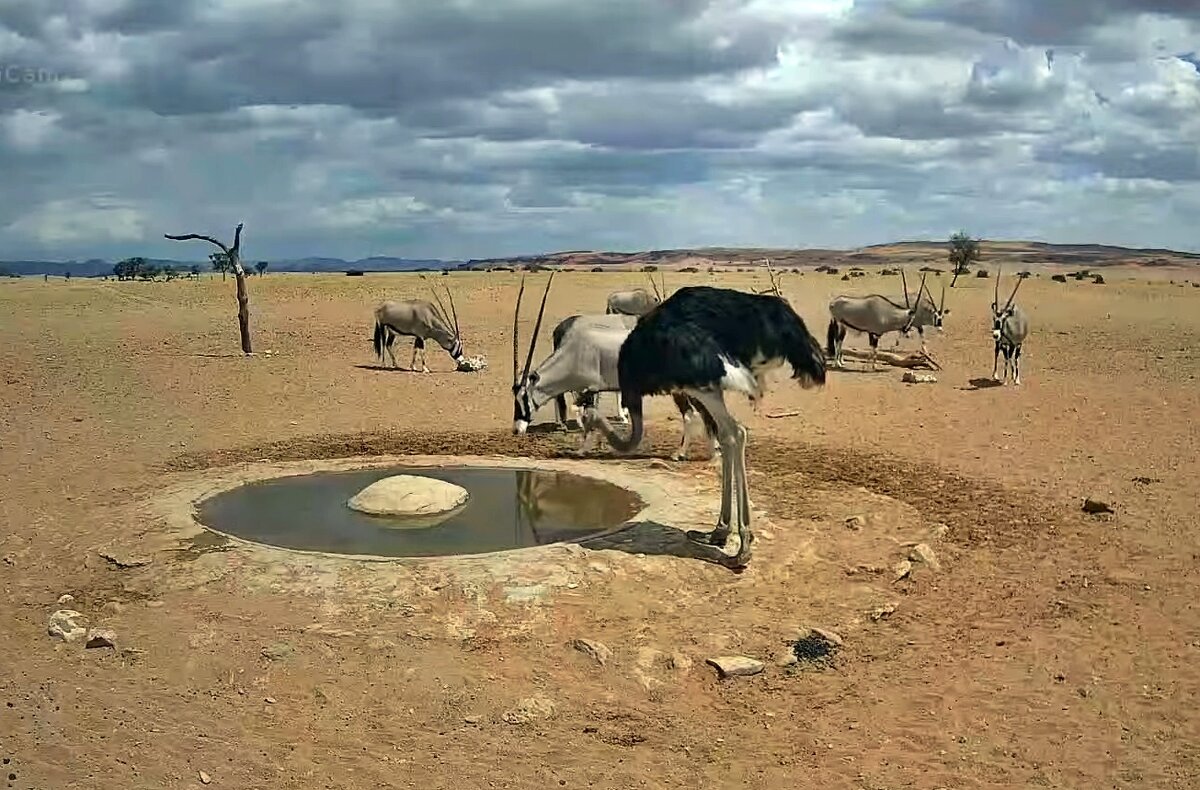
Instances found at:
x=482 y=128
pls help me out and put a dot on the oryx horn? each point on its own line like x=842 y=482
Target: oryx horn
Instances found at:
x=536 y=328
x=516 y=325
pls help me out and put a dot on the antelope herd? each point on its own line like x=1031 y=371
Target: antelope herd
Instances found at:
x=695 y=345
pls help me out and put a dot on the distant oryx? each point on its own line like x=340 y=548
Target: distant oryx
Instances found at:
x=586 y=363
x=420 y=320
x=1009 y=328
x=638 y=301
x=877 y=315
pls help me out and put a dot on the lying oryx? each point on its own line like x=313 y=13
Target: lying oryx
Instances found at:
x=585 y=362
x=638 y=301
x=877 y=315
x=420 y=320
x=614 y=321
x=1009 y=328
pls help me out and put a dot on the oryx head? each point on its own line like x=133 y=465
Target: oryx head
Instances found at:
x=922 y=310
x=999 y=314
x=524 y=381
x=456 y=345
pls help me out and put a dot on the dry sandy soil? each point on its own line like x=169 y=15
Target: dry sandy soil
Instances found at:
x=1051 y=648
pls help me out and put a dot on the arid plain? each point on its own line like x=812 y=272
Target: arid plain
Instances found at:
x=1050 y=648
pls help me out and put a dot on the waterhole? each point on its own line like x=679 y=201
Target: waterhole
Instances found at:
x=507 y=509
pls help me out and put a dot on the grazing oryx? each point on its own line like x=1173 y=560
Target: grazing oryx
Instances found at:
x=420 y=320
x=877 y=315
x=1009 y=328
x=637 y=302
x=585 y=362
x=703 y=341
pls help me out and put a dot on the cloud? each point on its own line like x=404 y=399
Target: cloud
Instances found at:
x=467 y=128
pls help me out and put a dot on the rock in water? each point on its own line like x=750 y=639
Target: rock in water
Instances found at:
x=409 y=495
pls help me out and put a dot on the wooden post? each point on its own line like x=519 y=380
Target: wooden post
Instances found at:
x=233 y=255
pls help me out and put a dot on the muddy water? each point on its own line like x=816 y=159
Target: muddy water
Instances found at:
x=507 y=509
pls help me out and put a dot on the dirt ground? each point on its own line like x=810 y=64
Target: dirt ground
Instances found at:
x=1050 y=648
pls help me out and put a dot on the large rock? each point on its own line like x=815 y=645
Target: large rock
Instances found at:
x=409 y=495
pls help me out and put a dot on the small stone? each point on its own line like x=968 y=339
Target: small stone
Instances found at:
x=901 y=570
x=735 y=666
x=658 y=463
x=1095 y=507
x=831 y=637
x=912 y=377
x=66 y=598
x=204 y=778
x=114 y=607
x=155 y=604
x=64 y=625
x=472 y=719
x=269 y=700
x=786 y=658
x=101 y=637
x=598 y=651
x=855 y=522
x=680 y=662
x=922 y=553
x=123 y=560
x=883 y=611
x=277 y=651
x=529 y=710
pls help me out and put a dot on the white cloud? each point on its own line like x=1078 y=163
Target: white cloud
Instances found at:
x=473 y=129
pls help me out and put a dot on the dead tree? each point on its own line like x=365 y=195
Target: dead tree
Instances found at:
x=233 y=256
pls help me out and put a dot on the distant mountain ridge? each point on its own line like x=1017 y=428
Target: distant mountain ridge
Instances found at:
x=97 y=267
x=1007 y=253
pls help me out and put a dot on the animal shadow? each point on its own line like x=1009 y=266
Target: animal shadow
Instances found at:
x=982 y=384
x=388 y=369
x=651 y=537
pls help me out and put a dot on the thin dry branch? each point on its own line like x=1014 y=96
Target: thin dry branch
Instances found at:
x=917 y=359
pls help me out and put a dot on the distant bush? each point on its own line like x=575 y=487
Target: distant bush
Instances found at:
x=689 y=270
x=1098 y=279
x=1059 y=278
x=354 y=273
x=650 y=268
x=982 y=274
x=597 y=268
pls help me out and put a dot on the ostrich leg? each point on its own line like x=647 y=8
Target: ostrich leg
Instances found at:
x=728 y=432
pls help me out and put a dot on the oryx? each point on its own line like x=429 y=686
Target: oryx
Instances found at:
x=638 y=301
x=420 y=320
x=586 y=363
x=614 y=321
x=877 y=315
x=1009 y=328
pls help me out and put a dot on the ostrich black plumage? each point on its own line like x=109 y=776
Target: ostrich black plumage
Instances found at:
x=703 y=341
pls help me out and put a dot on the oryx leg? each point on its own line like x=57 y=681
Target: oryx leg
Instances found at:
x=921 y=334
x=874 y=340
x=587 y=402
x=839 y=338
x=1017 y=366
x=622 y=413
x=387 y=344
x=689 y=416
x=996 y=362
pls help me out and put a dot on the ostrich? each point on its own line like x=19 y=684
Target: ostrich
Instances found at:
x=701 y=342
